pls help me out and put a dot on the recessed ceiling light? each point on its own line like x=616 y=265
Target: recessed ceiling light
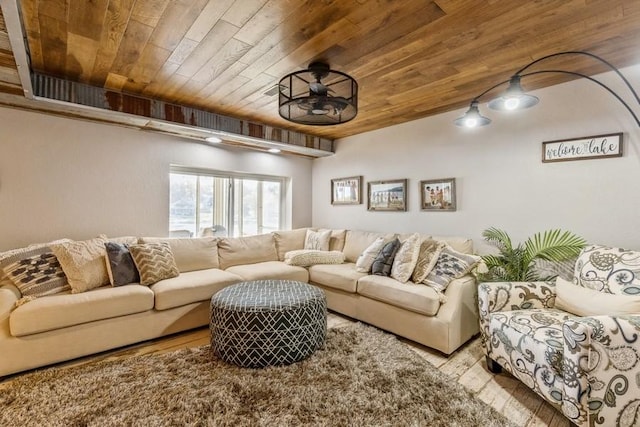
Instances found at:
x=274 y=150
x=213 y=139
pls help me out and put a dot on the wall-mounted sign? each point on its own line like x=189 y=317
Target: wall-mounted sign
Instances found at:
x=588 y=147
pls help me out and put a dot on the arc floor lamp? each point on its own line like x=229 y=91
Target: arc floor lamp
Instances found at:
x=514 y=98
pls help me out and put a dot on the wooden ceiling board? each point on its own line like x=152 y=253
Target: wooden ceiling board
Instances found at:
x=411 y=58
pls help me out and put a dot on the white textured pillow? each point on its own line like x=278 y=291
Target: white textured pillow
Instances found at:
x=406 y=258
x=83 y=263
x=307 y=257
x=582 y=301
x=366 y=258
x=317 y=240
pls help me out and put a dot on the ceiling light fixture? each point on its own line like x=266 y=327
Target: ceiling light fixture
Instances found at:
x=274 y=150
x=514 y=98
x=318 y=96
x=213 y=139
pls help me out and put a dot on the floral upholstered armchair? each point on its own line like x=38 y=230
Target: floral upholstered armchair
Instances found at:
x=576 y=344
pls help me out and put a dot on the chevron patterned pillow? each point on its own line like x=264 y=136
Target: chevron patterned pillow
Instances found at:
x=154 y=262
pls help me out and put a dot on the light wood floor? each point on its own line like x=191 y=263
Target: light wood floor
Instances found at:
x=505 y=393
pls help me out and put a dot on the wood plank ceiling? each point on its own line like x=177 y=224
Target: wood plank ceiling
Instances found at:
x=411 y=58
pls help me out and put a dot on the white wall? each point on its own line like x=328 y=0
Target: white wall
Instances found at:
x=500 y=178
x=70 y=178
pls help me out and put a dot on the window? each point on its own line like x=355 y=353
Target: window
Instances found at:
x=206 y=203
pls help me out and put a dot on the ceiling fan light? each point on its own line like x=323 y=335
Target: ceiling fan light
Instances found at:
x=318 y=96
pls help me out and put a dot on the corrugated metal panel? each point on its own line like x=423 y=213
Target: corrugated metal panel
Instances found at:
x=91 y=96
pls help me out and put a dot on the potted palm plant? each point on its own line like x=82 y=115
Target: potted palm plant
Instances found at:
x=518 y=263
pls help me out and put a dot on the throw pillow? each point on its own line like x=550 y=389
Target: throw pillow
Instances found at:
x=366 y=258
x=83 y=263
x=308 y=257
x=583 y=301
x=37 y=275
x=384 y=261
x=154 y=261
x=406 y=258
x=120 y=266
x=450 y=265
x=429 y=251
x=13 y=255
x=317 y=240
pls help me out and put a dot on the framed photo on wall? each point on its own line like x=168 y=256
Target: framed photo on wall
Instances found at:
x=438 y=194
x=387 y=195
x=346 y=191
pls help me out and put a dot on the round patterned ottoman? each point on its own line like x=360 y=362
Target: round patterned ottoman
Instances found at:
x=267 y=322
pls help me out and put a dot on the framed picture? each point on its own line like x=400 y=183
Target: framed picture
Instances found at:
x=387 y=195
x=587 y=147
x=438 y=194
x=346 y=191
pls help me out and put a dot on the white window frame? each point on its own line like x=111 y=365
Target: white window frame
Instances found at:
x=232 y=176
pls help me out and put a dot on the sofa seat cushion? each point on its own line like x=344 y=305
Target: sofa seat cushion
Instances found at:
x=270 y=270
x=192 y=286
x=530 y=338
x=338 y=276
x=418 y=298
x=62 y=310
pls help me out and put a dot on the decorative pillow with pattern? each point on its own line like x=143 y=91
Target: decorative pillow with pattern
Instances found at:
x=13 y=255
x=308 y=257
x=429 y=251
x=120 y=266
x=450 y=265
x=366 y=258
x=384 y=261
x=317 y=240
x=608 y=270
x=37 y=275
x=154 y=261
x=406 y=258
x=83 y=263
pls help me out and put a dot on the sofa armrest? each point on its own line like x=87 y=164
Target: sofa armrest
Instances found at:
x=509 y=296
x=9 y=294
x=601 y=367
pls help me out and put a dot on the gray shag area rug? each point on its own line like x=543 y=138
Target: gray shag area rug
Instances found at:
x=361 y=377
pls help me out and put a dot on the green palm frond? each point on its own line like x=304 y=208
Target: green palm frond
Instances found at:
x=554 y=245
x=498 y=238
x=518 y=263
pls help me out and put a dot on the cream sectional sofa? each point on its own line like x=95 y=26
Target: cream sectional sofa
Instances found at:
x=65 y=326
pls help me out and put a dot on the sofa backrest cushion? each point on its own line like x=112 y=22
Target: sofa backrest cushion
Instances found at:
x=191 y=254
x=609 y=270
x=357 y=241
x=289 y=240
x=460 y=244
x=246 y=250
x=336 y=241
x=581 y=301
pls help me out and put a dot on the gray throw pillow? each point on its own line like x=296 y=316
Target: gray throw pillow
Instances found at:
x=384 y=261
x=120 y=266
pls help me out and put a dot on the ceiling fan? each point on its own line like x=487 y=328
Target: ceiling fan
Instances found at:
x=318 y=96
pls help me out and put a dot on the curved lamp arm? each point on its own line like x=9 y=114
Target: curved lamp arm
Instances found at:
x=591 y=55
x=593 y=80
